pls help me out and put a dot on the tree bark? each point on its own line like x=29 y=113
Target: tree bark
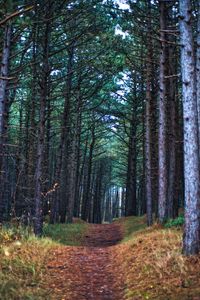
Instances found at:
x=162 y=155
x=131 y=199
x=172 y=126
x=59 y=199
x=38 y=198
x=198 y=69
x=148 y=139
x=3 y=103
x=191 y=241
x=86 y=195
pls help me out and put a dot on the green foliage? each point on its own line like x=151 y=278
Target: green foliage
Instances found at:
x=67 y=234
x=131 y=225
x=175 y=222
x=9 y=233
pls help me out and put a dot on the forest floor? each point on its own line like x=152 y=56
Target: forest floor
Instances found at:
x=87 y=272
x=124 y=260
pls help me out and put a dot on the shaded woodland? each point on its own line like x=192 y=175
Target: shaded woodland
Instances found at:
x=100 y=112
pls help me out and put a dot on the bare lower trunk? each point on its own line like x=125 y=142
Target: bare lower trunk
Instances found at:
x=61 y=164
x=38 y=198
x=198 y=68
x=191 y=243
x=148 y=140
x=71 y=181
x=171 y=147
x=86 y=195
x=162 y=155
x=131 y=199
x=3 y=103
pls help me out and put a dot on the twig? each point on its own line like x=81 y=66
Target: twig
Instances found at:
x=16 y=13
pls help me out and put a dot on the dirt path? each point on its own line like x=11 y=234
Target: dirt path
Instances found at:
x=87 y=272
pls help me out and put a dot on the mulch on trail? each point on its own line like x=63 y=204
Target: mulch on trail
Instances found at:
x=87 y=272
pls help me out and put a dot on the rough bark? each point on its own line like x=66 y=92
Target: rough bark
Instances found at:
x=38 y=198
x=198 y=68
x=148 y=139
x=191 y=242
x=131 y=199
x=162 y=155
x=86 y=195
x=171 y=147
x=78 y=153
x=72 y=162
x=59 y=199
x=3 y=85
x=98 y=195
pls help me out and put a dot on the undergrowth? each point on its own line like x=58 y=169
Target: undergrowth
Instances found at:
x=131 y=225
x=22 y=266
x=152 y=263
x=179 y=221
x=67 y=234
x=23 y=258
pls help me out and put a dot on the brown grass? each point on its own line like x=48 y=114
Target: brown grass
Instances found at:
x=154 y=267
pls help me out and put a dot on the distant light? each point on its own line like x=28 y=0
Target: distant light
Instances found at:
x=119 y=31
x=123 y=5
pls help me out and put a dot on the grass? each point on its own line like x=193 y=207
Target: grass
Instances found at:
x=149 y=260
x=152 y=263
x=22 y=266
x=67 y=234
x=23 y=258
x=131 y=225
x=179 y=221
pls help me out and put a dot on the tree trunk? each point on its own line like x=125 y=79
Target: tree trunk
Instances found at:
x=131 y=205
x=72 y=162
x=191 y=242
x=86 y=195
x=162 y=155
x=171 y=135
x=198 y=69
x=38 y=198
x=3 y=103
x=61 y=164
x=148 y=139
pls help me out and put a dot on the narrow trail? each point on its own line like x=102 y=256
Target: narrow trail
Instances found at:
x=87 y=272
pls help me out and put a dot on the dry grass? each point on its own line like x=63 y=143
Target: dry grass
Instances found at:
x=23 y=259
x=22 y=266
x=154 y=267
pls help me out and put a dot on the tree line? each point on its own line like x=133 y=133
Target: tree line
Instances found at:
x=99 y=112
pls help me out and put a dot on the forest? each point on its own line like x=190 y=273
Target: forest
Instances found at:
x=100 y=149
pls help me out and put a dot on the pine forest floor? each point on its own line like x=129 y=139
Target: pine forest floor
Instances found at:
x=87 y=272
x=119 y=261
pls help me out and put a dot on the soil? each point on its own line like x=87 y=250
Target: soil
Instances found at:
x=89 y=271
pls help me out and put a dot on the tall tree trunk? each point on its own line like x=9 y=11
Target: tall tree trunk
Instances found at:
x=97 y=195
x=162 y=155
x=38 y=198
x=72 y=161
x=148 y=139
x=3 y=102
x=61 y=163
x=191 y=242
x=78 y=153
x=131 y=201
x=198 y=68
x=86 y=195
x=171 y=134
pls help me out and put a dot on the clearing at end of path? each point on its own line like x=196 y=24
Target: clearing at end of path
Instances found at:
x=89 y=271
